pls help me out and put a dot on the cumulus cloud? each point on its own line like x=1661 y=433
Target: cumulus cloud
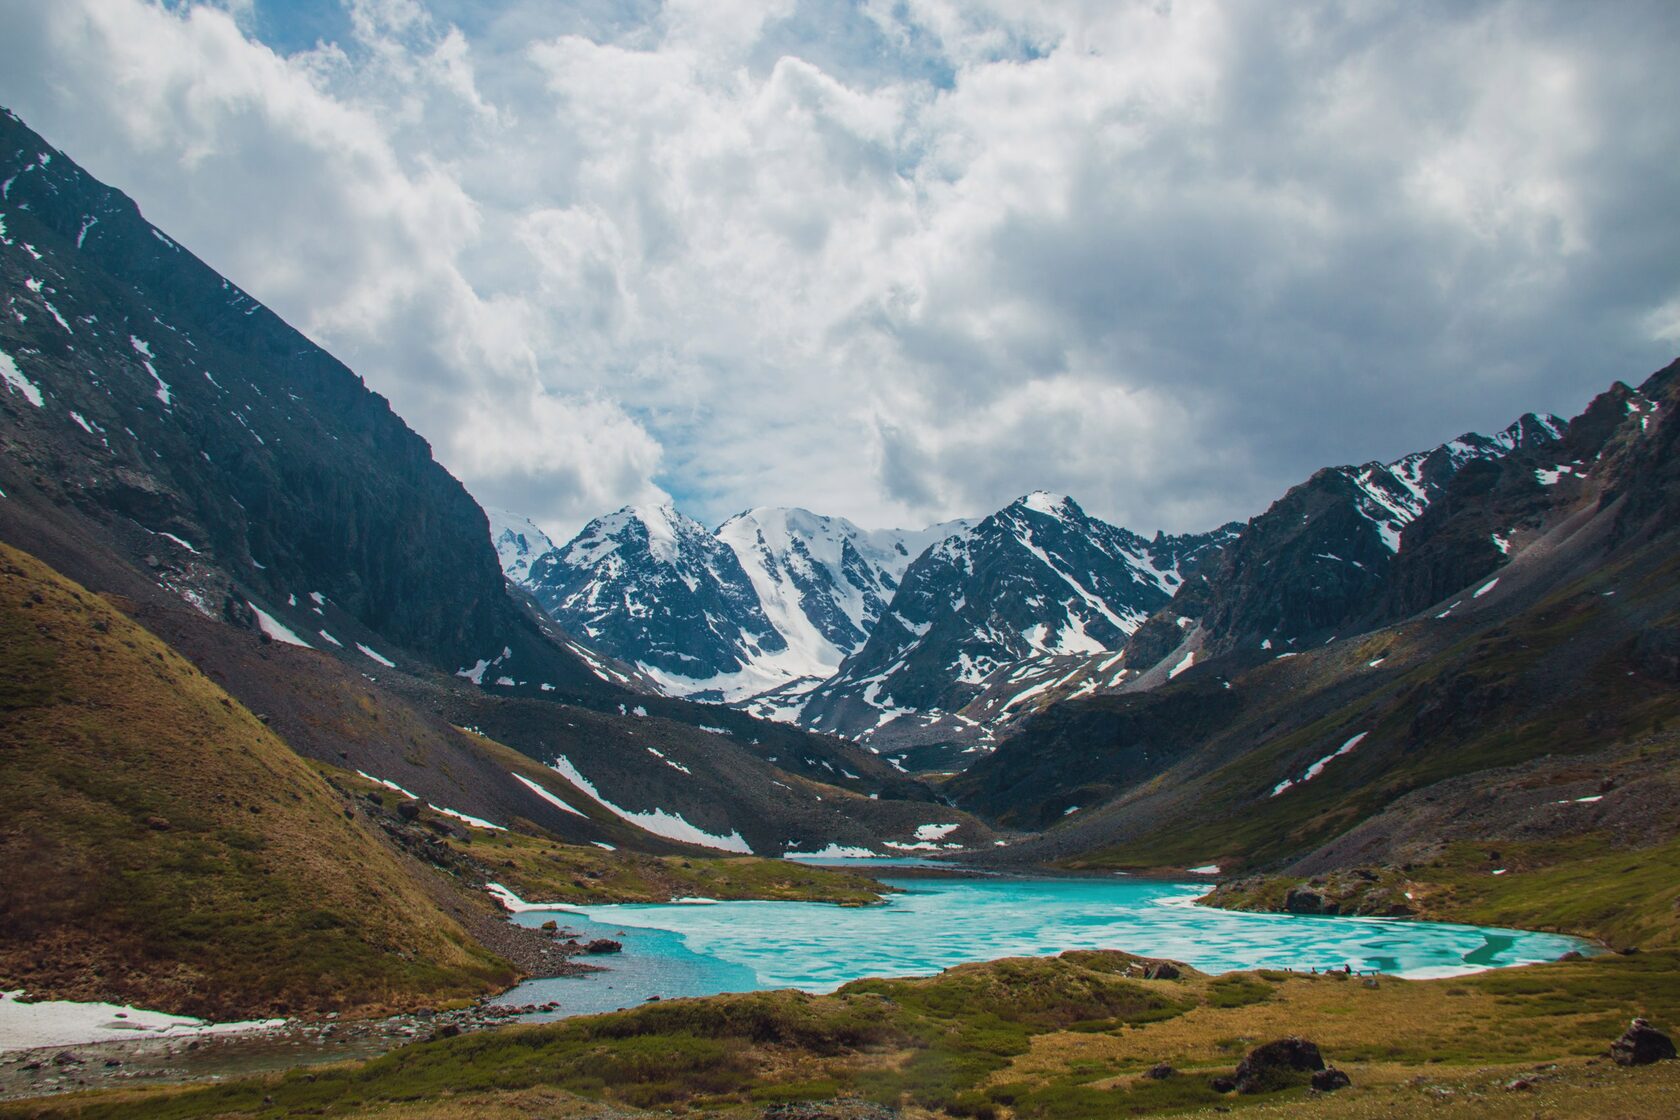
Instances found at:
x=907 y=260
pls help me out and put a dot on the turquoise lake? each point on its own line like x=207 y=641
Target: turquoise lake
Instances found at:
x=693 y=949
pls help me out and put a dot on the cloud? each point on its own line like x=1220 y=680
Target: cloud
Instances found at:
x=908 y=260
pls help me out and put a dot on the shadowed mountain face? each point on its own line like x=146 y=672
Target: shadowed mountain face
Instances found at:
x=1531 y=612
x=146 y=390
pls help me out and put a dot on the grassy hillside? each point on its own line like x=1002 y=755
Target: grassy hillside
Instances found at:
x=164 y=848
x=1064 y=1038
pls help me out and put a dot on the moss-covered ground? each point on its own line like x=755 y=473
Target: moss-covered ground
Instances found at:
x=1052 y=1038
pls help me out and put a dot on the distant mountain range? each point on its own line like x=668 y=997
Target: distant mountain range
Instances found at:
x=927 y=645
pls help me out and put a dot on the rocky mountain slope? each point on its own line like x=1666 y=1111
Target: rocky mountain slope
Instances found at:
x=932 y=662
x=1537 y=594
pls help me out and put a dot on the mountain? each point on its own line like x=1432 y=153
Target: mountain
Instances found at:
x=518 y=542
x=171 y=442
x=654 y=587
x=774 y=597
x=822 y=581
x=1038 y=579
x=1502 y=688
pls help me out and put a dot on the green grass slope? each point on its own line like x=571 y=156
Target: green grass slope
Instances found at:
x=163 y=847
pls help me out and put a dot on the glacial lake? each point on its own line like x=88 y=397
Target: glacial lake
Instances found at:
x=695 y=949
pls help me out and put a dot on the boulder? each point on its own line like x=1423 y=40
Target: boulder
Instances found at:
x=849 y=1108
x=1277 y=1065
x=604 y=945
x=1160 y=1071
x=1329 y=1080
x=1308 y=900
x=1641 y=1044
x=1161 y=970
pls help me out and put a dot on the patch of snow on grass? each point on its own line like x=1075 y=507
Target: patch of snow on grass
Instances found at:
x=476 y=822
x=387 y=784
x=935 y=831
x=1205 y=869
x=835 y=851
x=1317 y=768
x=1189 y=660
x=330 y=638
x=513 y=904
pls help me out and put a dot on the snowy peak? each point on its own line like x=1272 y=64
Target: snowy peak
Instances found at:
x=774 y=599
x=1393 y=495
x=823 y=581
x=1038 y=578
x=653 y=587
x=518 y=542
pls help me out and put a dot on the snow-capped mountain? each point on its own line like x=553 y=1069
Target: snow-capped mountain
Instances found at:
x=775 y=598
x=1039 y=578
x=518 y=541
x=1323 y=560
x=1393 y=495
x=655 y=588
x=822 y=581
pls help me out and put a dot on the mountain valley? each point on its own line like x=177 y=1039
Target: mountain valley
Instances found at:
x=292 y=727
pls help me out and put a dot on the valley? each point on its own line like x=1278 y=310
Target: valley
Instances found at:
x=1019 y=816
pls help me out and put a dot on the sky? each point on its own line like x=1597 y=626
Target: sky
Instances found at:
x=906 y=260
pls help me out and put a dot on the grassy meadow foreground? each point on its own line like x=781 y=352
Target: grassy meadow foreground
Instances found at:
x=1065 y=1037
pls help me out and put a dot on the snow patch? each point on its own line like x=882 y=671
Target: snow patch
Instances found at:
x=377 y=656
x=16 y=382
x=275 y=629
x=672 y=826
x=26 y=1026
x=546 y=795
x=834 y=851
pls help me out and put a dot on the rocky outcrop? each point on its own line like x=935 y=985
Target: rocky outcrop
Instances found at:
x=1641 y=1044
x=1278 y=1065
